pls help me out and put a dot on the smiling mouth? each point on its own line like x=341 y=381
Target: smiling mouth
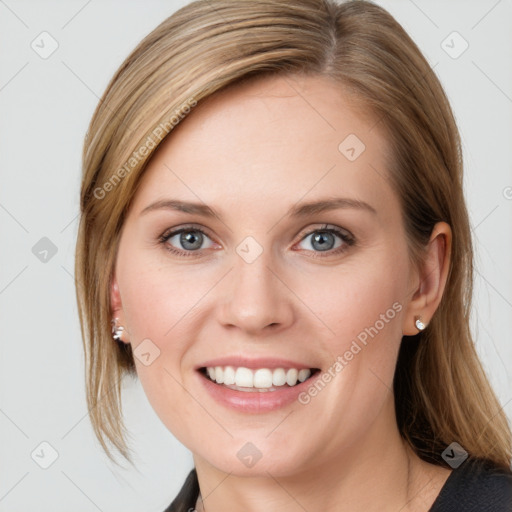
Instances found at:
x=258 y=380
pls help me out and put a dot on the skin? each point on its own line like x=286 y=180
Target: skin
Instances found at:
x=251 y=153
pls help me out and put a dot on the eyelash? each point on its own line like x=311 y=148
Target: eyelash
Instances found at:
x=345 y=237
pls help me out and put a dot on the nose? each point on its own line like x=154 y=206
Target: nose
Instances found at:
x=255 y=298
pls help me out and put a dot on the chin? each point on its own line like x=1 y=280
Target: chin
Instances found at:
x=245 y=459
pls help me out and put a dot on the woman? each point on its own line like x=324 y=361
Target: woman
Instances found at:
x=274 y=234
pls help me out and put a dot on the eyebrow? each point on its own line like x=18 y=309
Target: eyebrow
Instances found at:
x=299 y=210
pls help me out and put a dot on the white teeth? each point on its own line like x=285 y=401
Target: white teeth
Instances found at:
x=304 y=374
x=243 y=377
x=291 y=377
x=229 y=375
x=262 y=378
x=279 y=377
x=219 y=375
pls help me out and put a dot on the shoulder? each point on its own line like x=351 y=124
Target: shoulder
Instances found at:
x=476 y=486
x=185 y=501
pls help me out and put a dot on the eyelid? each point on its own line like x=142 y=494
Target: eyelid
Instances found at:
x=178 y=229
x=325 y=227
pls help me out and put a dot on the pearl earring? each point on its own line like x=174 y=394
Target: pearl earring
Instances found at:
x=117 y=330
x=419 y=324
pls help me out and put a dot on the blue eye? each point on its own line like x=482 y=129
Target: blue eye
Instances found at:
x=329 y=240
x=189 y=240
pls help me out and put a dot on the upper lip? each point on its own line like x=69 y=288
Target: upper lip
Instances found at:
x=254 y=363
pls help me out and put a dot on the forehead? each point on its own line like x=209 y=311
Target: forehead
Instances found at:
x=271 y=142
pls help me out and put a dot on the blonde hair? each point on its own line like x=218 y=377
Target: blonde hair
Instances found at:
x=441 y=391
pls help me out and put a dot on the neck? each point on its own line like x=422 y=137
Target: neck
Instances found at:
x=379 y=472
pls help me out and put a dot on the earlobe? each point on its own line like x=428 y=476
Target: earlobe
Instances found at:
x=433 y=275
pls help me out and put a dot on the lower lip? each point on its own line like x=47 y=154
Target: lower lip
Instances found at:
x=257 y=401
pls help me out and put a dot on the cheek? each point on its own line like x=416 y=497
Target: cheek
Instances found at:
x=168 y=397
x=363 y=307
x=157 y=297
x=361 y=303
x=152 y=308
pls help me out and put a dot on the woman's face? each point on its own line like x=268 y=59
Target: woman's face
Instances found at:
x=268 y=283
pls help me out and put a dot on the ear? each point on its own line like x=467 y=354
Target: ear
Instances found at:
x=116 y=307
x=430 y=279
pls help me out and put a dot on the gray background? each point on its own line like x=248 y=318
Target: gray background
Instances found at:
x=46 y=104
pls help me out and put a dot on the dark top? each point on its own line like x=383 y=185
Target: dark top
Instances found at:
x=475 y=486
